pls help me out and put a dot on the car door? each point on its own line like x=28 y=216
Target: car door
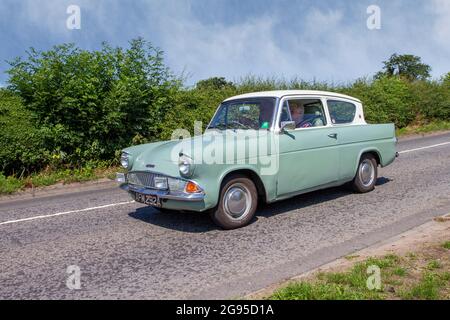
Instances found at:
x=308 y=156
x=346 y=119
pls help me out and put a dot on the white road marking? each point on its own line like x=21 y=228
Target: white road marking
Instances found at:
x=64 y=213
x=128 y=202
x=427 y=147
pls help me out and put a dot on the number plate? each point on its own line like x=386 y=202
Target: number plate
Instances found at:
x=148 y=199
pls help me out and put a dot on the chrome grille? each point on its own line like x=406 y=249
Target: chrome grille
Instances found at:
x=144 y=179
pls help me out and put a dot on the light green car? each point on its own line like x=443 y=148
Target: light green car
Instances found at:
x=260 y=148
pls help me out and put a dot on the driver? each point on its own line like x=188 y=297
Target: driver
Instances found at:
x=298 y=114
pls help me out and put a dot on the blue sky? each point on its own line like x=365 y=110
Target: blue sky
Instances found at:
x=322 y=40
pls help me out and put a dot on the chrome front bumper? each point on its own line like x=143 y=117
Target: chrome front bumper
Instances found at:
x=162 y=194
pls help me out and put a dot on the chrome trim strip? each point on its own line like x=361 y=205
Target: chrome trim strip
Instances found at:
x=165 y=194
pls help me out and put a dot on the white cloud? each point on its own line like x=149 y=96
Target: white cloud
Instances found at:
x=441 y=9
x=327 y=44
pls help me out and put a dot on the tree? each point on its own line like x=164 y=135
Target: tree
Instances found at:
x=407 y=66
x=214 y=83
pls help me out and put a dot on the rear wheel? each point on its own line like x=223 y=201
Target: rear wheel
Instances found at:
x=237 y=203
x=366 y=175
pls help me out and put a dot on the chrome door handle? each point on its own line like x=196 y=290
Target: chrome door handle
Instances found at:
x=333 y=135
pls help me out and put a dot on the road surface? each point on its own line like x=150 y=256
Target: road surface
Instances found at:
x=128 y=251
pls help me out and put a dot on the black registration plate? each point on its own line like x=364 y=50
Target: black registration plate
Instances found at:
x=150 y=200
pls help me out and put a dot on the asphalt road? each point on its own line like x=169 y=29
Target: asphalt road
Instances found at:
x=125 y=250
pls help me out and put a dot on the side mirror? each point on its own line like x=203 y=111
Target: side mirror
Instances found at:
x=287 y=125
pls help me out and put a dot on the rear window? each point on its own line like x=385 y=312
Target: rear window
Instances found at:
x=341 y=111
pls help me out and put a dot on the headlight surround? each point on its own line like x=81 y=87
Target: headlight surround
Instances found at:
x=183 y=186
x=176 y=185
x=186 y=166
x=125 y=160
x=160 y=183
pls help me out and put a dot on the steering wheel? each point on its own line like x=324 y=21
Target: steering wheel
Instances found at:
x=309 y=122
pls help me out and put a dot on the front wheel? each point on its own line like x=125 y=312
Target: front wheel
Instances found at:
x=366 y=175
x=237 y=203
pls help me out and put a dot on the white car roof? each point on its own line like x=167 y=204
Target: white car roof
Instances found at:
x=282 y=93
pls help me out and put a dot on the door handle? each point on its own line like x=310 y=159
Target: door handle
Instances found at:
x=333 y=135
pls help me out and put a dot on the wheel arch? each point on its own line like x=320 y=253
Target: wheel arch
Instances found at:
x=252 y=175
x=374 y=151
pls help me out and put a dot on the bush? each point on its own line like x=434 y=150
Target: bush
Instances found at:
x=387 y=99
x=22 y=144
x=94 y=102
x=431 y=99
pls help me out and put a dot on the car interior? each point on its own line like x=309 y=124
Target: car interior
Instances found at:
x=314 y=115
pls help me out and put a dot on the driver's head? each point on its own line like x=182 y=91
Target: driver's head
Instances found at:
x=297 y=111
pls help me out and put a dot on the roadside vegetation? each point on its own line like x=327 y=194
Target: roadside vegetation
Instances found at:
x=45 y=178
x=423 y=275
x=66 y=113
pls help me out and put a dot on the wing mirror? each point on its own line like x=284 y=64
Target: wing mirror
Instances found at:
x=287 y=125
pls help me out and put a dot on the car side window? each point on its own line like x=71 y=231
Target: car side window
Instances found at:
x=341 y=111
x=304 y=112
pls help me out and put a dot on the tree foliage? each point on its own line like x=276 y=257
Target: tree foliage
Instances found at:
x=407 y=66
x=22 y=144
x=92 y=102
x=214 y=83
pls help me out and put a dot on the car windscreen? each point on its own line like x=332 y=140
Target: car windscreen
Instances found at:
x=255 y=113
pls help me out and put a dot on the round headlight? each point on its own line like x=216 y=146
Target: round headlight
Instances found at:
x=185 y=166
x=124 y=160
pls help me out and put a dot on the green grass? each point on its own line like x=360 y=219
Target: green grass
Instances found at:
x=424 y=128
x=446 y=245
x=321 y=291
x=434 y=264
x=428 y=287
x=12 y=184
x=433 y=282
x=399 y=271
x=349 y=285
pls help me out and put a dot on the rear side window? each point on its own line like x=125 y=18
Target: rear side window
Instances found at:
x=341 y=111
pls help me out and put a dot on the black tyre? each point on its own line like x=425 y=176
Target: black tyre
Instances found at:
x=366 y=175
x=237 y=203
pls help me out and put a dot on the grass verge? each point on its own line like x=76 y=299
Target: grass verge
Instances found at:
x=424 y=275
x=435 y=126
x=13 y=184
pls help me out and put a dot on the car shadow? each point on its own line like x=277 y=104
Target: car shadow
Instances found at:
x=198 y=222
x=382 y=180
x=192 y=222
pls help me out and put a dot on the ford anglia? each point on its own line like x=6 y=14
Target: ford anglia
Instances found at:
x=260 y=148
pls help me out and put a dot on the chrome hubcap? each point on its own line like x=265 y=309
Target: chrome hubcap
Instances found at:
x=366 y=172
x=237 y=201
